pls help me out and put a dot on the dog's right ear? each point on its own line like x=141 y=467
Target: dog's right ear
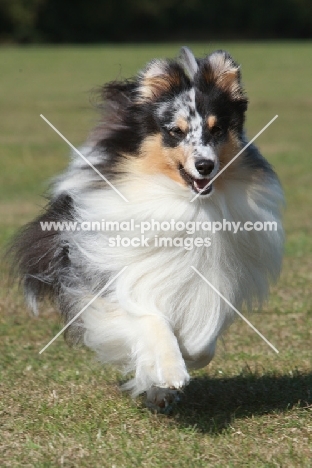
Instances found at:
x=188 y=62
x=159 y=77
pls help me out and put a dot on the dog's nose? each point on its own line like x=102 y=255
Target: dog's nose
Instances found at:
x=204 y=166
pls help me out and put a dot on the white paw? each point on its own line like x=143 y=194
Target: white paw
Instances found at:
x=173 y=376
x=163 y=373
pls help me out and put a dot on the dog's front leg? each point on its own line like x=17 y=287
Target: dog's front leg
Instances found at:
x=158 y=359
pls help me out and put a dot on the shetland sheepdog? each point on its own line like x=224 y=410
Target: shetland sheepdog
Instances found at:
x=162 y=139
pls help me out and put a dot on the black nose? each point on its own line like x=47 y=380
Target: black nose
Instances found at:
x=204 y=166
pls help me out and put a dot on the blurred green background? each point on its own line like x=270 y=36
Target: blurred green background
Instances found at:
x=80 y=21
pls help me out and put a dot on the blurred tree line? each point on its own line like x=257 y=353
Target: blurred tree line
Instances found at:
x=81 y=21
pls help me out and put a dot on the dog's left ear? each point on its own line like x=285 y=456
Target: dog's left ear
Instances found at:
x=220 y=69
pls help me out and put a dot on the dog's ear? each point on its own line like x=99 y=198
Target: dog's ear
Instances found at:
x=188 y=62
x=159 y=77
x=220 y=69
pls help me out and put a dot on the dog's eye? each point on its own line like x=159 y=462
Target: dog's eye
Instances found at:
x=215 y=131
x=176 y=132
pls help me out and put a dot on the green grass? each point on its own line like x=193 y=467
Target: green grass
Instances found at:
x=250 y=407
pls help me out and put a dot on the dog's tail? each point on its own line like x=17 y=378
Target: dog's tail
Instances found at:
x=36 y=255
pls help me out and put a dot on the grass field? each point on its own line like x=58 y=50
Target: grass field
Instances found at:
x=250 y=407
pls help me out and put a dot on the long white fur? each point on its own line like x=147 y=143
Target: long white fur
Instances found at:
x=160 y=318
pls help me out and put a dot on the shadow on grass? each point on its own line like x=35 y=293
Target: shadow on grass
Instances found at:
x=211 y=404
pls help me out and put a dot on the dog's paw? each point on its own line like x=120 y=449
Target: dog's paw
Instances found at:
x=173 y=377
x=162 y=400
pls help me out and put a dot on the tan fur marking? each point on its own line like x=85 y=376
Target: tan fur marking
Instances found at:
x=229 y=82
x=182 y=124
x=211 y=121
x=228 y=151
x=156 y=159
x=153 y=86
x=221 y=71
x=236 y=170
x=226 y=80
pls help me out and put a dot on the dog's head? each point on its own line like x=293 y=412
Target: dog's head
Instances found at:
x=181 y=118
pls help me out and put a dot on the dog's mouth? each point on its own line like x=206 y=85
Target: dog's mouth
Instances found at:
x=199 y=186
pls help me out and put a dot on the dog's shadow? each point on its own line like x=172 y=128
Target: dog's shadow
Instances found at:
x=211 y=404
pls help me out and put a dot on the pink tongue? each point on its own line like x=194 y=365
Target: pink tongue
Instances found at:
x=201 y=183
